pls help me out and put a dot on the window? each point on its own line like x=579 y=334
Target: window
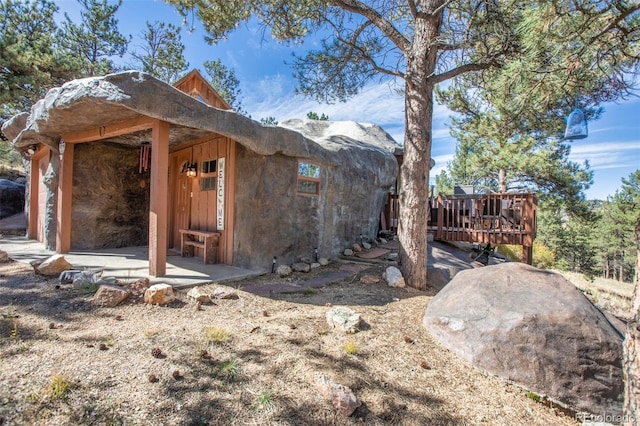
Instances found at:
x=209 y=166
x=308 y=178
x=208 y=184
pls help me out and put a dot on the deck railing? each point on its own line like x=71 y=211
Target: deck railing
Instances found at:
x=502 y=218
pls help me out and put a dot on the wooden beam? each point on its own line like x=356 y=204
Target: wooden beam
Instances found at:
x=65 y=195
x=110 y=130
x=158 y=203
x=34 y=191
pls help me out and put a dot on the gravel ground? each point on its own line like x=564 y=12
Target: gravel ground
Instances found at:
x=254 y=360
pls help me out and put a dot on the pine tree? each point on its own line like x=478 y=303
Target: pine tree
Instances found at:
x=96 y=39
x=162 y=52
x=225 y=82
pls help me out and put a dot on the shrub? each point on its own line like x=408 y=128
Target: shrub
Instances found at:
x=216 y=335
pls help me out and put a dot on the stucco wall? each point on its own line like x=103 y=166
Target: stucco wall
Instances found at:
x=273 y=220
x=110 y=197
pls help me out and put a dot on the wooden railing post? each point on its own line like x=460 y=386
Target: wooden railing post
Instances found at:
x=528 y=217
x=440 y=224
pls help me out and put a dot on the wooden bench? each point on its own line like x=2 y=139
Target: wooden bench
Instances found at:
x=190 y=239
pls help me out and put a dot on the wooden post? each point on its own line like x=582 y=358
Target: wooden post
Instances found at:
x=528 y=216
x=440 y=223
x=158 y=202
x=65 y=195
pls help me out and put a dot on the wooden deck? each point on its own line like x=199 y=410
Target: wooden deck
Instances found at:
x=502 y=218
x=485 y=218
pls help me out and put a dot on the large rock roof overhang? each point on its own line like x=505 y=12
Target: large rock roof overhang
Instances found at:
x=93 y=102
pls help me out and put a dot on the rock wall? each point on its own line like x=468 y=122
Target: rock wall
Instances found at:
x=110 y=197
x=273 y=220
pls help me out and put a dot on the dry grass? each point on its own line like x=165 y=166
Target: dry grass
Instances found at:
x=263 y=373
x=612 y=296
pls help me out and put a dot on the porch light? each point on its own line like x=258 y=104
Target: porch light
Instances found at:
x=576 y=125
x=191 y=169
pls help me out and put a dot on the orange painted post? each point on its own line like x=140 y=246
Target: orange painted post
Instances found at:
x=34 y=192
x=65 y=195
x=158 y=203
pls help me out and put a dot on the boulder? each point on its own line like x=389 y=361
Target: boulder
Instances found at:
x=366 y=246
x=53 y=266
x=533 y=327
x=323 y=261
x=159 y=294
x=4 y=256
x=340 y=396
x=284 y=270
x=301 y=267
x=82 y=279
x=109 y=296
x=348 y=252
x=199 y=295
x=11 y=198
x=393 y=277
x=315 y=265
x=344 y=319
x=356 y=248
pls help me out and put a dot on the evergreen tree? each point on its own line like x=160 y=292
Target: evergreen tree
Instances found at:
x=30 y=61
x=162 y=54
x=96 y=39
x=314 y=116
x=428 y=42
x=225 y=82
x=269 y=121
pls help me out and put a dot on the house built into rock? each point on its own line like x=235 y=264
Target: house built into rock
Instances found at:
x=128 y=160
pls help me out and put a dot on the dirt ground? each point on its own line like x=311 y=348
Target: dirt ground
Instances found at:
x=249 y=361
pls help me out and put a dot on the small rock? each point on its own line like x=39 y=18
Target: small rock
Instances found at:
x=53 y=266
x=199 y=295
x=366 y=246
x=340 y=396
x=383 y=241
x=306 y=260
x=224 y=293
x=284 y=270
x=315 y=265
x=138 y=288
x=344 y=319
x=393 y=277
x=4 y=256
x=323 y=261
x=356 y=248
x=301 y=267
x=159 y=294
x=369 y=279
x=109 y=296
x=348 y=252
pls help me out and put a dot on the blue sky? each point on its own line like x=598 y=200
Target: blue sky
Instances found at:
x=612 y=148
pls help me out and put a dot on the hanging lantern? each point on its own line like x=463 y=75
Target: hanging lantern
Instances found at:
x=576 y=125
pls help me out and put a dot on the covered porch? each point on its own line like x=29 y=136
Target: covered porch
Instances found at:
x=130 y=263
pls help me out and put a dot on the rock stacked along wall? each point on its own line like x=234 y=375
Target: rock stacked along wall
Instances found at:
x=110 y=197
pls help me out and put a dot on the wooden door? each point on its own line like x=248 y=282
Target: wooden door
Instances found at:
x=181 y=188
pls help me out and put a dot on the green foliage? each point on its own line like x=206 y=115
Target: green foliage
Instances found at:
x=96 y=39
x=225 y=82
x=30 y=59
x=314 y=116
x=269 y=121
x=9 y=157
x=216 y=335
x=351 y=348
x=162 y=52
x=543 y=257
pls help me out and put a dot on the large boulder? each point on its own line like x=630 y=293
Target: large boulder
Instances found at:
x=11 y=198
x=533 y=327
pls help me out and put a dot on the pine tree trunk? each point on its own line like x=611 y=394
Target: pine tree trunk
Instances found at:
x=412 y=229
x=631 y=350
x=502 y=180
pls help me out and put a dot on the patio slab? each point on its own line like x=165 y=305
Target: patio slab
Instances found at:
x=131 y=263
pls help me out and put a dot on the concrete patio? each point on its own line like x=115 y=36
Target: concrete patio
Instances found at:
x=130 y=263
